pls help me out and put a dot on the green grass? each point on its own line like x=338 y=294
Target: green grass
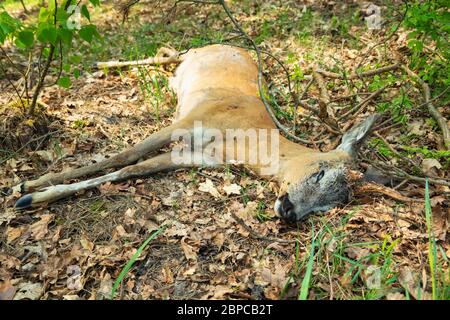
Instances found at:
x=130 y=263
x=304 y=289
x=432 y=253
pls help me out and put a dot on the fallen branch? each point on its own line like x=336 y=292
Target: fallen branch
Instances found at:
x=400 y=174
x=326 y=112
x=362 y=104
x=388 y=145
x=442 y=122
x=371 y=188
x=370 y=73
x=148 y=61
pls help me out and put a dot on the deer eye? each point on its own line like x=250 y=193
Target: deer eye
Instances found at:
x=320 y=175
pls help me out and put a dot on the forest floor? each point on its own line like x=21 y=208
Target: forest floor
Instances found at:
x=376 y=247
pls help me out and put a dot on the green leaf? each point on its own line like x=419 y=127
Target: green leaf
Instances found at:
x=64 y=82
x=48 y=34
x=95 y=2
x=75 y=59
x=85 y=12
x=27 y=38
x=88 y=32
x=66 y=36
x=43 y=15
x=304 y=289
x=76 y=73
x=8 y=24
x=416 y=45
x=66 y=67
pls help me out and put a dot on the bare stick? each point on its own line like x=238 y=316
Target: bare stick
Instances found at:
x=399 y=173
x=379 y=136
x=370 y=188
x=148 y=61
x=442 y=122
x=362 y=104
x=326 y=112
x=355 y=75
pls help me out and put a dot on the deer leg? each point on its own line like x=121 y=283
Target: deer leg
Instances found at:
x=49 y=194
x=152 y=143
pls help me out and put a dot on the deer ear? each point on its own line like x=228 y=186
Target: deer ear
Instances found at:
x=352 y=139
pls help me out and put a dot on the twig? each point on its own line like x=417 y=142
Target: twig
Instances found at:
x=370 y=188
x=14 y=87
x=442 y=122
x=148 y=61
x=388 y=145
x=362 y=104
x=25 y=145
x=355 y=75
x=400 y=174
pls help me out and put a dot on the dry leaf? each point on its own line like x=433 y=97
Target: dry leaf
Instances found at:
x=232 y=189
x=208 y=186
x=29 y=291
x=40 y=229
x=188 y=250
x=218 y=240
x=430 y=165
x=14 y=233
x=395 y=296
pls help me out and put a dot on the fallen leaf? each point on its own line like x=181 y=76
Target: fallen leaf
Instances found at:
x=430 y=165
x=29 y=291
x=232 y=189
x=40 y=229
x=14 y=233
x=395 y=296
x=188 y=250
x=356 y=253
x=208 y=187
x=218 y=240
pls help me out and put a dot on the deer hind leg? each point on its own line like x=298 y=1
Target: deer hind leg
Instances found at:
x=50 y=194
x=127 y=157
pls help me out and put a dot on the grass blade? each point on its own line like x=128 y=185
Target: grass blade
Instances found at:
x=131 y=262
x=304 y=290
x=432 y=252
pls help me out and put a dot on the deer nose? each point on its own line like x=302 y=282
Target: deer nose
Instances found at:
x=285 y=208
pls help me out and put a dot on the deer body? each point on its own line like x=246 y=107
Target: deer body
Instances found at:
x=217 y=86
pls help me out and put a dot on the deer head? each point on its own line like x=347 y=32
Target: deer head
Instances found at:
x=318 y=181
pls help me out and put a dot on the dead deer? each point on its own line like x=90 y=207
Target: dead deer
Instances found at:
x=217 y=85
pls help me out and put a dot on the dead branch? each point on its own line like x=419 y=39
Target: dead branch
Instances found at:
x=148 y=61
x=388 y=145
x=442 y=122
x=371 y=188
x=362 y=104
x=326 y=112
x=352 y=76
x=400 y=174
